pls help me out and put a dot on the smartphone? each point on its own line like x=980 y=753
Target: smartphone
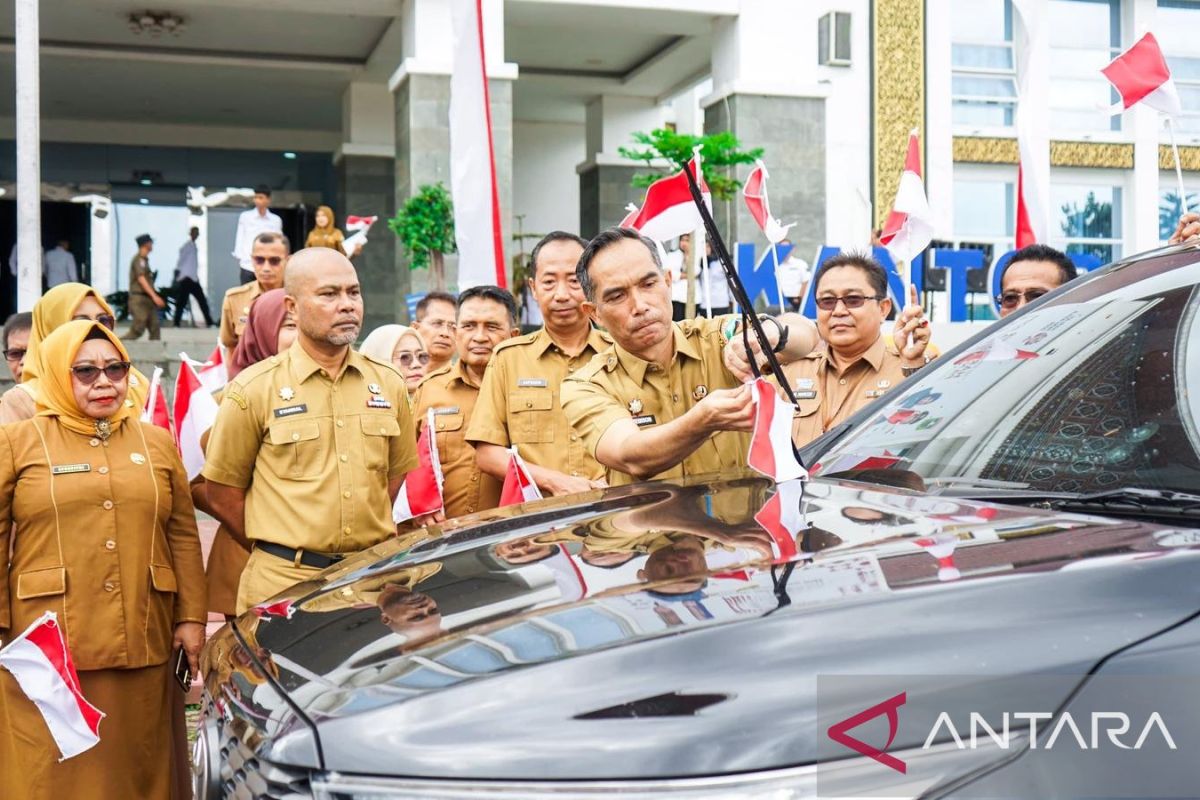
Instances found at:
x=183 y=670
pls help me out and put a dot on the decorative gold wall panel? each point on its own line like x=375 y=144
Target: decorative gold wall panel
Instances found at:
x=897 y=94
x=981 y=150
x=1189 y=158
x=988 y=150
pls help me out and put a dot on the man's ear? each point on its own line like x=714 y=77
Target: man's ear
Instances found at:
x=589 y=310
x=289 y=304
x=668 y=277
x=514 y=333
x=885 y=306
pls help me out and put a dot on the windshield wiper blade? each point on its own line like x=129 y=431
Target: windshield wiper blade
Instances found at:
x=1132 y=500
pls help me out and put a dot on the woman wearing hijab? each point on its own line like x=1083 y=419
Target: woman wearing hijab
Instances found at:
x=95 y=507
x=326 y=234
x=400 y=346
x=63 y=303
x=270 y=330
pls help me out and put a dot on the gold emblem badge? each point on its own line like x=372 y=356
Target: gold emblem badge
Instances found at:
x=137 y=458
x=883 y=384
x=286 y=393
x=635 y=407
x=373 y=388
x=700 y=392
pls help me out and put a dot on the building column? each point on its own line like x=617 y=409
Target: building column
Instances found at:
x=769 y=98
x=605 y=177
x=421 y=106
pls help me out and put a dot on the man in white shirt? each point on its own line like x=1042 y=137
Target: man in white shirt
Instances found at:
x=250 y=224
x=187 y=280
x=58 y=266
x=793 y=276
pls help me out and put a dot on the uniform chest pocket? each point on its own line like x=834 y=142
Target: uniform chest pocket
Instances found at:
x=532 y=414
x=378 y=434
x=448 y=423
x=298 y=449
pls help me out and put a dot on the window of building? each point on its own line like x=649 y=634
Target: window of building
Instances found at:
x=1085 y=35
x=1175 y=27
x=984 y=211
x=1086 y=218
x=1169 y=207
x=984 y=90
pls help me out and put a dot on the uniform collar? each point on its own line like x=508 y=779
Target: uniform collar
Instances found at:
x=873 y=356
x=637 y=367
x=458 y=372
x=542 y=341
x=304 y=367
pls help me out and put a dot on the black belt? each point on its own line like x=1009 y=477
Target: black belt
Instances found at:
x=298 y=557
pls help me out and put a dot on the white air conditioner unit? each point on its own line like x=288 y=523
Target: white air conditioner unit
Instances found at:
x=833 y=43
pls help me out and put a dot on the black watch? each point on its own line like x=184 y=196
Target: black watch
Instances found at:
x=784 y=331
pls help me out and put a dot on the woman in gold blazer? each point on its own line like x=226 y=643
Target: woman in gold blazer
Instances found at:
x=103 y=533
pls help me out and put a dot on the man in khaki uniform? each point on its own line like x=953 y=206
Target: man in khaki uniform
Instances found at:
x=519 y=400
x=487 y=316
x=310 y=446
x=144 y=302
x=856 y=365
x=269 y=255
x=667 y=399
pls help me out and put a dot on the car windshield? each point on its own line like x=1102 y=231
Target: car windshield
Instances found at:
x=1094 y=389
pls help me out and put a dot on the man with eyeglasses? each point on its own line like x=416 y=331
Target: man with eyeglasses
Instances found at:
x=487 y=316
x=1032 y=272
x=856 y=365
x=269 y=256
x=435 y=322
x=144 y=301
x=16 y=342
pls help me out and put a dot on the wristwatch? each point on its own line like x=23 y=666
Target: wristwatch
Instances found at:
x=910 y=371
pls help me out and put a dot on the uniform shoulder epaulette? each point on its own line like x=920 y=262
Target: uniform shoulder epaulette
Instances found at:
x=256 y=371
x=234 y=291
x=379 y=362
x=437 y=373
x=515 y=342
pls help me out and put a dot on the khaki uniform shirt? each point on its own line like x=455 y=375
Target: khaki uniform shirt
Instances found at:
x=138 y=267
x=618 y=385
x=519 y=403
x=104 y=534
x=317 y=453
x=451 y=393
x=826 y=397
x=235 y=310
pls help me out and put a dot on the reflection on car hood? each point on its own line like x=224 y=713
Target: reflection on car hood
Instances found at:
x=664 y=628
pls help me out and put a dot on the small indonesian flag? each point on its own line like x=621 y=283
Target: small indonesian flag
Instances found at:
x=668 y=210
x=283 y=609
x=422 y=490
x=771 y=450
x=1141 y=75
x=359 y=226
x=212 y=373
x=518 y=483
x=783 y=518
x=755 y=195
x=909 y=228
x=156 y=410
x=997 y=350
x=941 y=547
x=195 y=413
x=41 y=664
x=354 y=223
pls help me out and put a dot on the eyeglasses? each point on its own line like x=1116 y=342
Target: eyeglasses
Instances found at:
x=107 y=320
x=1013 y=299
x=87 y=374
x=406 y=359
x=15 y=354
x=274 y=261
x=850 y=301
x=439 y=324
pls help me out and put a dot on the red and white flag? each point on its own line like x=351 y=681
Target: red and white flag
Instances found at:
x=284 y=609
x=212 y=373
x=422 y=490
x=355 y=223
x=996 y=350
x=909 y=228
x=518 y=483
x=754 y=192
x=156 y=410
x=771 y=450
x=1141 y=75
x=195 y=412
x=41 y=664
x=631 y=214
x=668 y=210
x=783 y=518
x=941 y=547
x=1033 y=131
x=357 y=227
x=473 y=183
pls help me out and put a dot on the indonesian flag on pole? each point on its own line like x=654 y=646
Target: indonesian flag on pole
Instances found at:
x=1024 y=229
x=630 y=215
x=422 y=490
x=518 y=483
x=156 y=410
x=755 y=195
x=771 y=450
x=1141 y=75
x=355 y=224
x=472 y=162
x=41 y=664
x=668 y=210
x=212 y=373
x=1033 y=132
x=357 y=227
x=909 y=228
x=195 y=412
x=783 y=518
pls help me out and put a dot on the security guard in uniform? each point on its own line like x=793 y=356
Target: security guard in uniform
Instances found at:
x=144 y=301
x=487 y=316
x=519 y=400
x=667 y=399
x=311 y=446
x=269 y=255
x=857 y=364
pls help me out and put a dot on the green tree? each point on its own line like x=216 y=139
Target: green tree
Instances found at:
x=1093 y=221
x=719 y=151
x=425 y=227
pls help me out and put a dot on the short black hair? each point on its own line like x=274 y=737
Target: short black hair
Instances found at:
x=604 y=240
x=494 y=294
x=434 y=297
x=271 y=237
x=1043 y=252
x=551 y=238
x=262 y=188
x=20 y=321
x=876 y=274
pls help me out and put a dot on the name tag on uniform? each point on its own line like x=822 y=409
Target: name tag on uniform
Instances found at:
x=437 y=412
x=874 y=393
x=379 y=402
x=809 y=395
x=645 y=420
x=290 y=411
x=69 y=469
x=531 y=382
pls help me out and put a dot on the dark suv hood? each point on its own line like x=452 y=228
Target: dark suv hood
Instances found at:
x=660 y=629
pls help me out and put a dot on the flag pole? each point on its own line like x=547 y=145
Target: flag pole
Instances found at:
x=775 y=260
x=1183 y=203
x=700 y=259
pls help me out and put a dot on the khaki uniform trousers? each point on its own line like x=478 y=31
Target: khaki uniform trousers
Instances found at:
x=144 y=315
